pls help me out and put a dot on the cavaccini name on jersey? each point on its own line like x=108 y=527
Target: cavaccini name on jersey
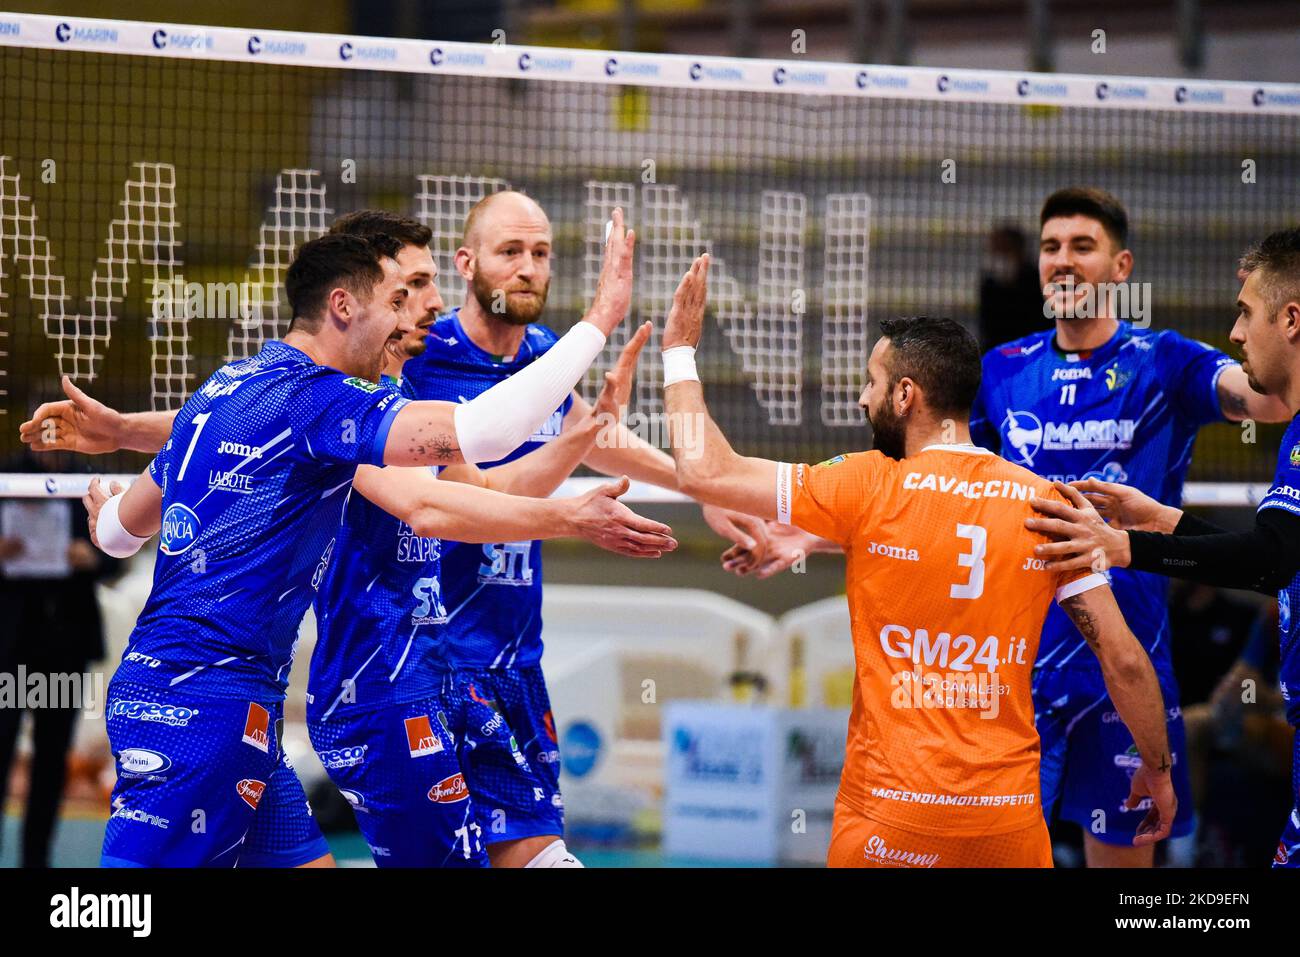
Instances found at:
x=950 y=485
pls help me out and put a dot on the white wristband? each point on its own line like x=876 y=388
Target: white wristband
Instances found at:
x=679 y=365
x=114 y=540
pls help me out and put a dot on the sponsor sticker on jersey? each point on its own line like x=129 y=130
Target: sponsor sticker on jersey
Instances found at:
x=833 y=460
x=180 y=529
x=365 y=385
x=251 y=791
x=1295 y=456
x=449 y=790
x=421 y=739
x=257 y=726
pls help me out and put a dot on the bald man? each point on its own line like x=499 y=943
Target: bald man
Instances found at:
x=491 y=643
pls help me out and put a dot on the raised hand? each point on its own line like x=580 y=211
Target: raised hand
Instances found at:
x=75 y=424
x=611 y=405
x=603 y=520
x=614 y=287
x=686 y=317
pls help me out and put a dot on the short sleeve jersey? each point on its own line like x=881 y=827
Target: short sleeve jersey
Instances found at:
x=253 y=480
x=1284 y=493
x=947 y=602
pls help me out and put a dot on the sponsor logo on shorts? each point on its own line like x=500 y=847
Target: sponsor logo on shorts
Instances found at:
x=250 y=790
x=449 y=790
x=347 y=757
x=177 y=716
x=1282 y=855
x=356 y=799
x=256 y=727
x=123 y=813
x=881 y=853
x=548 y=757
x=143 y=763
x=421 y=738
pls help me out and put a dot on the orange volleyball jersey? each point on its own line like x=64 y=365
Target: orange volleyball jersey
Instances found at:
x=947 y=602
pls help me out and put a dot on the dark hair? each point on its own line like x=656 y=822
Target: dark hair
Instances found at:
x=1091 y=202
x=380 y=222
x=940 y=356
x=1277 y=257
x=331 y=261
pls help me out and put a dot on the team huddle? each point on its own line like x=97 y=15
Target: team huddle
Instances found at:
x=388 y=464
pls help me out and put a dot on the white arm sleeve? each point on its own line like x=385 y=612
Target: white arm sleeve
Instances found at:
x=494 y=424
x=114 y=540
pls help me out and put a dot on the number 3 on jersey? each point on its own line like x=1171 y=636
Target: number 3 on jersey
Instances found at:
x=973 y=559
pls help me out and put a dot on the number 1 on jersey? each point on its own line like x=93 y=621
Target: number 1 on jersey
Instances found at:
x=200 y=421
x=973 y=559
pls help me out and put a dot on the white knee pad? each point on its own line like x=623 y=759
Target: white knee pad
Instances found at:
x=555 y=854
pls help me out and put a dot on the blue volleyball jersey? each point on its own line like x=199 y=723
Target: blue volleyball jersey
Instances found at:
x=1126 y=412
x=493 y=593
x=378 y=609
x=253 y=480
x=1284 y=493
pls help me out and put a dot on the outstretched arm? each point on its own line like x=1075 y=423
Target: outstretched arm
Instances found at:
x=541 y=472
x=708 y=469
x=465 y=513
x=1133 y=686
x=1108 y=525
x=82 y=424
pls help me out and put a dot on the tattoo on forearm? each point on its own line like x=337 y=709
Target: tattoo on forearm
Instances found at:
x=1164 y=763
x=1084 y=620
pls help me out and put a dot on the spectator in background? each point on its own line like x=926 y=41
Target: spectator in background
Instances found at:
x=1239 y=749
x=49 y=624
x=1011 y=300
x=1208 y=630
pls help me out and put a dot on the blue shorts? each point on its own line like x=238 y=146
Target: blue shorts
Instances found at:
x=1088 y=755
x=1288 y=846
x=192 y=771
x=399 y=768
x=509 y=752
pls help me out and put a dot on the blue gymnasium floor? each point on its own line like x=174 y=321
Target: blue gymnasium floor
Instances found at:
x=77 y=842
